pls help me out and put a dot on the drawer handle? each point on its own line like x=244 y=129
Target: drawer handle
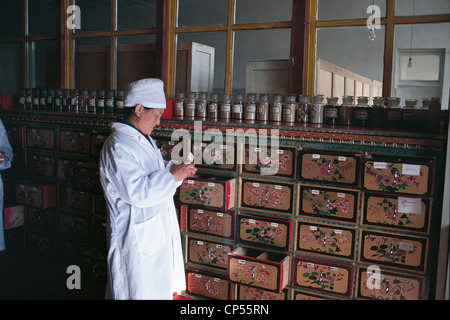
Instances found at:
x=200 y=194
x=209 y=222
x=324 y=239
x=266 y=196
x=253 y=273
x=328 y=202
x=207 y=286
x=395 y=212
x=395 y=177
x=387 y=286
x=322 y=275
x=210 y=255
x=392 y=248
x=329 y=168
x=262 y=295
x=262 y=233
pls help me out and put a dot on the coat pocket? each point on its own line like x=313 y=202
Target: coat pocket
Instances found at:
x=150 y=236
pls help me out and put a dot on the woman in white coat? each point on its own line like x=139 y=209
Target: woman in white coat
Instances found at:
x=144 y=245
x=5 y=163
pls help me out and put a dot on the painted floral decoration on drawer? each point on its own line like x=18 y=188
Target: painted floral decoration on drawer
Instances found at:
x=386 y=213
x=205 y=222
x=268 y=162
x=250 y=293
x=399 y=182
x=330 y=170
x=394 y=289
x=265 y=196
x=206 y=285
x=332 y=206
x=387 y=248
x=321 y=277
x=251 y=274
x=326 y=243
x=201 y=192
x=215 y=157
x=262 y=231
x=206 y=254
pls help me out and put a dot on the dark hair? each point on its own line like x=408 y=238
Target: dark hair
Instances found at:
x=128 y=111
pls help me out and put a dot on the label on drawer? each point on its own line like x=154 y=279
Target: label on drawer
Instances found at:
x=406 y=246
x=380 y=165
x=410 y=205
x=340 y=158
x=316 y=156
x=411 y=169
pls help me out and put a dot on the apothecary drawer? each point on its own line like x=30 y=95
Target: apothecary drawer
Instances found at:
x=336 y=167
x=323 y=275
x=381 y=284
x=41 y=138
x=220 y=157
x=267 y=231
x=408 y=175
x=402 y=213
x=268 y=196
x=207 y=285
x=40 y=165
x=268 y=161
x=69 y=198
x=393 y=250
x=327 y=203
x=77 y=142
x=326 y=239
x=40 y=218
x=39 y=195
x=210 y=222
x=208 y=253
x=258 y=268
x=251 y=293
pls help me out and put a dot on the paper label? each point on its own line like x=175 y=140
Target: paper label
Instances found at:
x=219 y=214
x=406 y=246
x=316 y=156
x=409 y=205
x=278 y=187
x=341 y=195
x=315 y=192
x=411 y=169
x=342 y=158
x=380 y=165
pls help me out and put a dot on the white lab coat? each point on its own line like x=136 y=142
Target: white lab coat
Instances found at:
x=6 y=148
x=145 y=258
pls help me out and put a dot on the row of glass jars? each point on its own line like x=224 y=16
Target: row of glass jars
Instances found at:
x=291 y=108
x=72 y=100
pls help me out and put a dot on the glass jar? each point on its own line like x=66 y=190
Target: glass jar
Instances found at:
x=213 y=106
x=42 y=99
x=225 y=107
x=200 y=105
x=50 y=100
x=109 y=102
x=237 y=110
x=67 y=100
x=92 y=105
x=58 y=100
x=75 y=100
x=331 y=112
x=346 y=111
x=189 y=110
x=100 y=101
x=377 y=112
x=250 y=107
x=316 y=110
x=83 y=102
x=289 y=108
x=361 y=117
x=393 y=113
x=409 y=114
x=178 y=105
x=262 y=108
x=28 y=98
x=22 y=98
x=303 y=108
x=422 y=115
x=35 y=99
x=118 y=103
x=275 y=108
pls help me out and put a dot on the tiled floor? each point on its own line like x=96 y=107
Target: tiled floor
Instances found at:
x=24 y=277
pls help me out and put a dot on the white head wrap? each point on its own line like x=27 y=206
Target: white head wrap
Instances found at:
x=148 y=92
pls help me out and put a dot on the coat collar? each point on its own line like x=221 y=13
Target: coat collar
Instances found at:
x=125 y=127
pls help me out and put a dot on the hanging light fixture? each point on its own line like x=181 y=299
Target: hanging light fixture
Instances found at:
x=372 y=35
x=410 y=41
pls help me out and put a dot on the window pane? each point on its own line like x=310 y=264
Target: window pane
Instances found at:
x=421 y=7
x=428 y=74
x=43 y=64
x=132 y=14
x=11 y=63
x=192 y=13
x=255 y=11
x=348 y=9
x=42 y=17
x=92 y=63
x=348 y=63
x=95 y=15
x=200 y=64
x=11 y=19
x=135 y=59
x=254 y=48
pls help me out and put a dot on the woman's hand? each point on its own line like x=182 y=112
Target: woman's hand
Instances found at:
x=182 y=171
x=3 y=157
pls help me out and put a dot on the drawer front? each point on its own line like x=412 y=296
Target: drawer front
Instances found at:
x=44 y=219
x=266 y=231
x=388 y=285
x=97 y=140
x=78 y=142
x=282 y=163
x=210 y=193
x=220 y=224
x=267 y=196
x=74 y=225
x=39 y=138
x=99 y=228
x=404 y=213
x=209 y=286
x=333 y=167
x=100 y=205
x=66 y=168
x=250 y=293
x=330 y=204
x=393 y=250
x=73 y=199
x=403 y=176
x=326 y=240
x=208 y=253
x=216 y=157
x=15 y=135
x=38 y=196
x=13 y=216
x=41 y=244
x=39 y=165
x=307 y=296
x=87 y=177
x=166 y=146
x=323 y=276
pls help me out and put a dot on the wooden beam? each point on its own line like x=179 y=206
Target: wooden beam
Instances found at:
x=297 y=70
x=388 y=49
x=230 y=46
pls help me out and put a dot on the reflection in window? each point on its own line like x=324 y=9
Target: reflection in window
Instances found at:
x=348 y=9
x=132 y=14
x=192 y=13
x=135 y=59
x=253 y=47
x=43 y=67
x=11 y=67
x=348 y=63
x=95 y=15
x=256 y=11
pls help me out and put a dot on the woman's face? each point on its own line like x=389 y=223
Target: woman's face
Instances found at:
x=148 y=119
